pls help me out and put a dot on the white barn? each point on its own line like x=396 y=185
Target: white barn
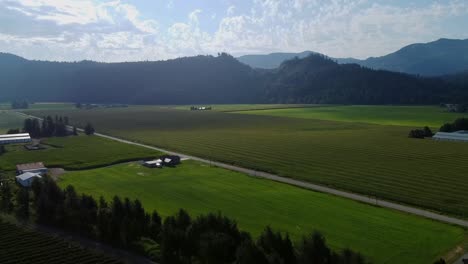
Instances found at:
x=461 y=135
x=15 y=138
x=27 y=178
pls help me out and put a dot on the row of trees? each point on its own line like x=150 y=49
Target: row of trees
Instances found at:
x=210 y=238
x=421 y=133
x=20 y=104
x=49 y=127
x=459 y=124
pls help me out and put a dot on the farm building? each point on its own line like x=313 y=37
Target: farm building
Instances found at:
x=37 y=167
x=153 y=163
x=15 y=138
x=461 y=135
x=165 y=160
x=27 y=178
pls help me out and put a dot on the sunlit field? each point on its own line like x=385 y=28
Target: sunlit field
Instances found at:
x=376 y=160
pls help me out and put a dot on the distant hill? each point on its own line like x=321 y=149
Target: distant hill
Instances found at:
x=272 y=60
x=441 y=57
x=221 y=79
x=318 y=79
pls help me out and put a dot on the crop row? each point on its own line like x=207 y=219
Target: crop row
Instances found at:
x=26 y=246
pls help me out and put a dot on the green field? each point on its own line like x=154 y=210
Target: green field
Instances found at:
x=9 y=120
x=414 y=116
x=371 y=159
x=74 y=153
x=18 y=245
x=383 y=235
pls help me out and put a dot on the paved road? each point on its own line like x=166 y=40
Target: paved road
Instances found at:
x=305 y=185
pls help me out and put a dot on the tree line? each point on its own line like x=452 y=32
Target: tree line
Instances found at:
x=179 y=238
x=458 y=124
x=52 y=127
x=19 y=104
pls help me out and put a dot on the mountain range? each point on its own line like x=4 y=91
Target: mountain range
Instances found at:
x=441 y=57
x=220 y=79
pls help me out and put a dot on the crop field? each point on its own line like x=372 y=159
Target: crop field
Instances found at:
x=18 y=245
x=383 y=235
x=77 y=152
x=375 y=160
x=414 y=116
x=9 y=120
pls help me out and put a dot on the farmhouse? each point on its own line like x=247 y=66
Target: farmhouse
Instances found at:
x=461 y=135
x=15 y=138
x=153 y=163
x=37 y=167
x=27 y=178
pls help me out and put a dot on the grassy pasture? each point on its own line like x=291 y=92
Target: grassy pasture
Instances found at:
x=415 y=116
x=383 y=235
x=9 y=120
x=371 y=159
x=74 y=153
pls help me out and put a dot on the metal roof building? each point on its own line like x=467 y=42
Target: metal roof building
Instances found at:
x=15 y=138
x=27 y=178
x=37 y=167
x=461 y=135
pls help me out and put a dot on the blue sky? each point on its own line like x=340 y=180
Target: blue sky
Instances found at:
x=132 y=30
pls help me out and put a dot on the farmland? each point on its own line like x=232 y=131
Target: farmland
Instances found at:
x=414 y=116
x=9 y=120
x=377 y=160
x=73 y=153
x=25 y=246
x=382 y=235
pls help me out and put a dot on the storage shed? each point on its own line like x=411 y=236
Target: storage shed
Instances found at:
x=26 y=179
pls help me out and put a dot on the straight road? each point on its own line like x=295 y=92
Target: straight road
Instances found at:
x=306 y=185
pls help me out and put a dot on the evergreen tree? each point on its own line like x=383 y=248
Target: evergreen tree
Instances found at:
x=278 y=249
x=22 y=204
x=89 y=129
x=6 y=204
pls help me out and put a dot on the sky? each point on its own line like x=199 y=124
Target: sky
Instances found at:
x=135 y=30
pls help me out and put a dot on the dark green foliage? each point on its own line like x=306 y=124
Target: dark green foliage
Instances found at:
x=459 y=124
x=440 y=261
x=421 y=133
x=249 y=253
x=13 y=131
x=48 y=128
x=278 y=249
x=23 y=104
x=6 y=195
x=89 y=129
x=22 y=204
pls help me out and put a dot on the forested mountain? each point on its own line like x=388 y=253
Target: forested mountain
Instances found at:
x=318 y=79
x=441 y=57
x=191 y=80
x=221 y=79
x=272 y=60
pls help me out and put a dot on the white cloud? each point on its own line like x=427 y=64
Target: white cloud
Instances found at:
x=116 y=31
